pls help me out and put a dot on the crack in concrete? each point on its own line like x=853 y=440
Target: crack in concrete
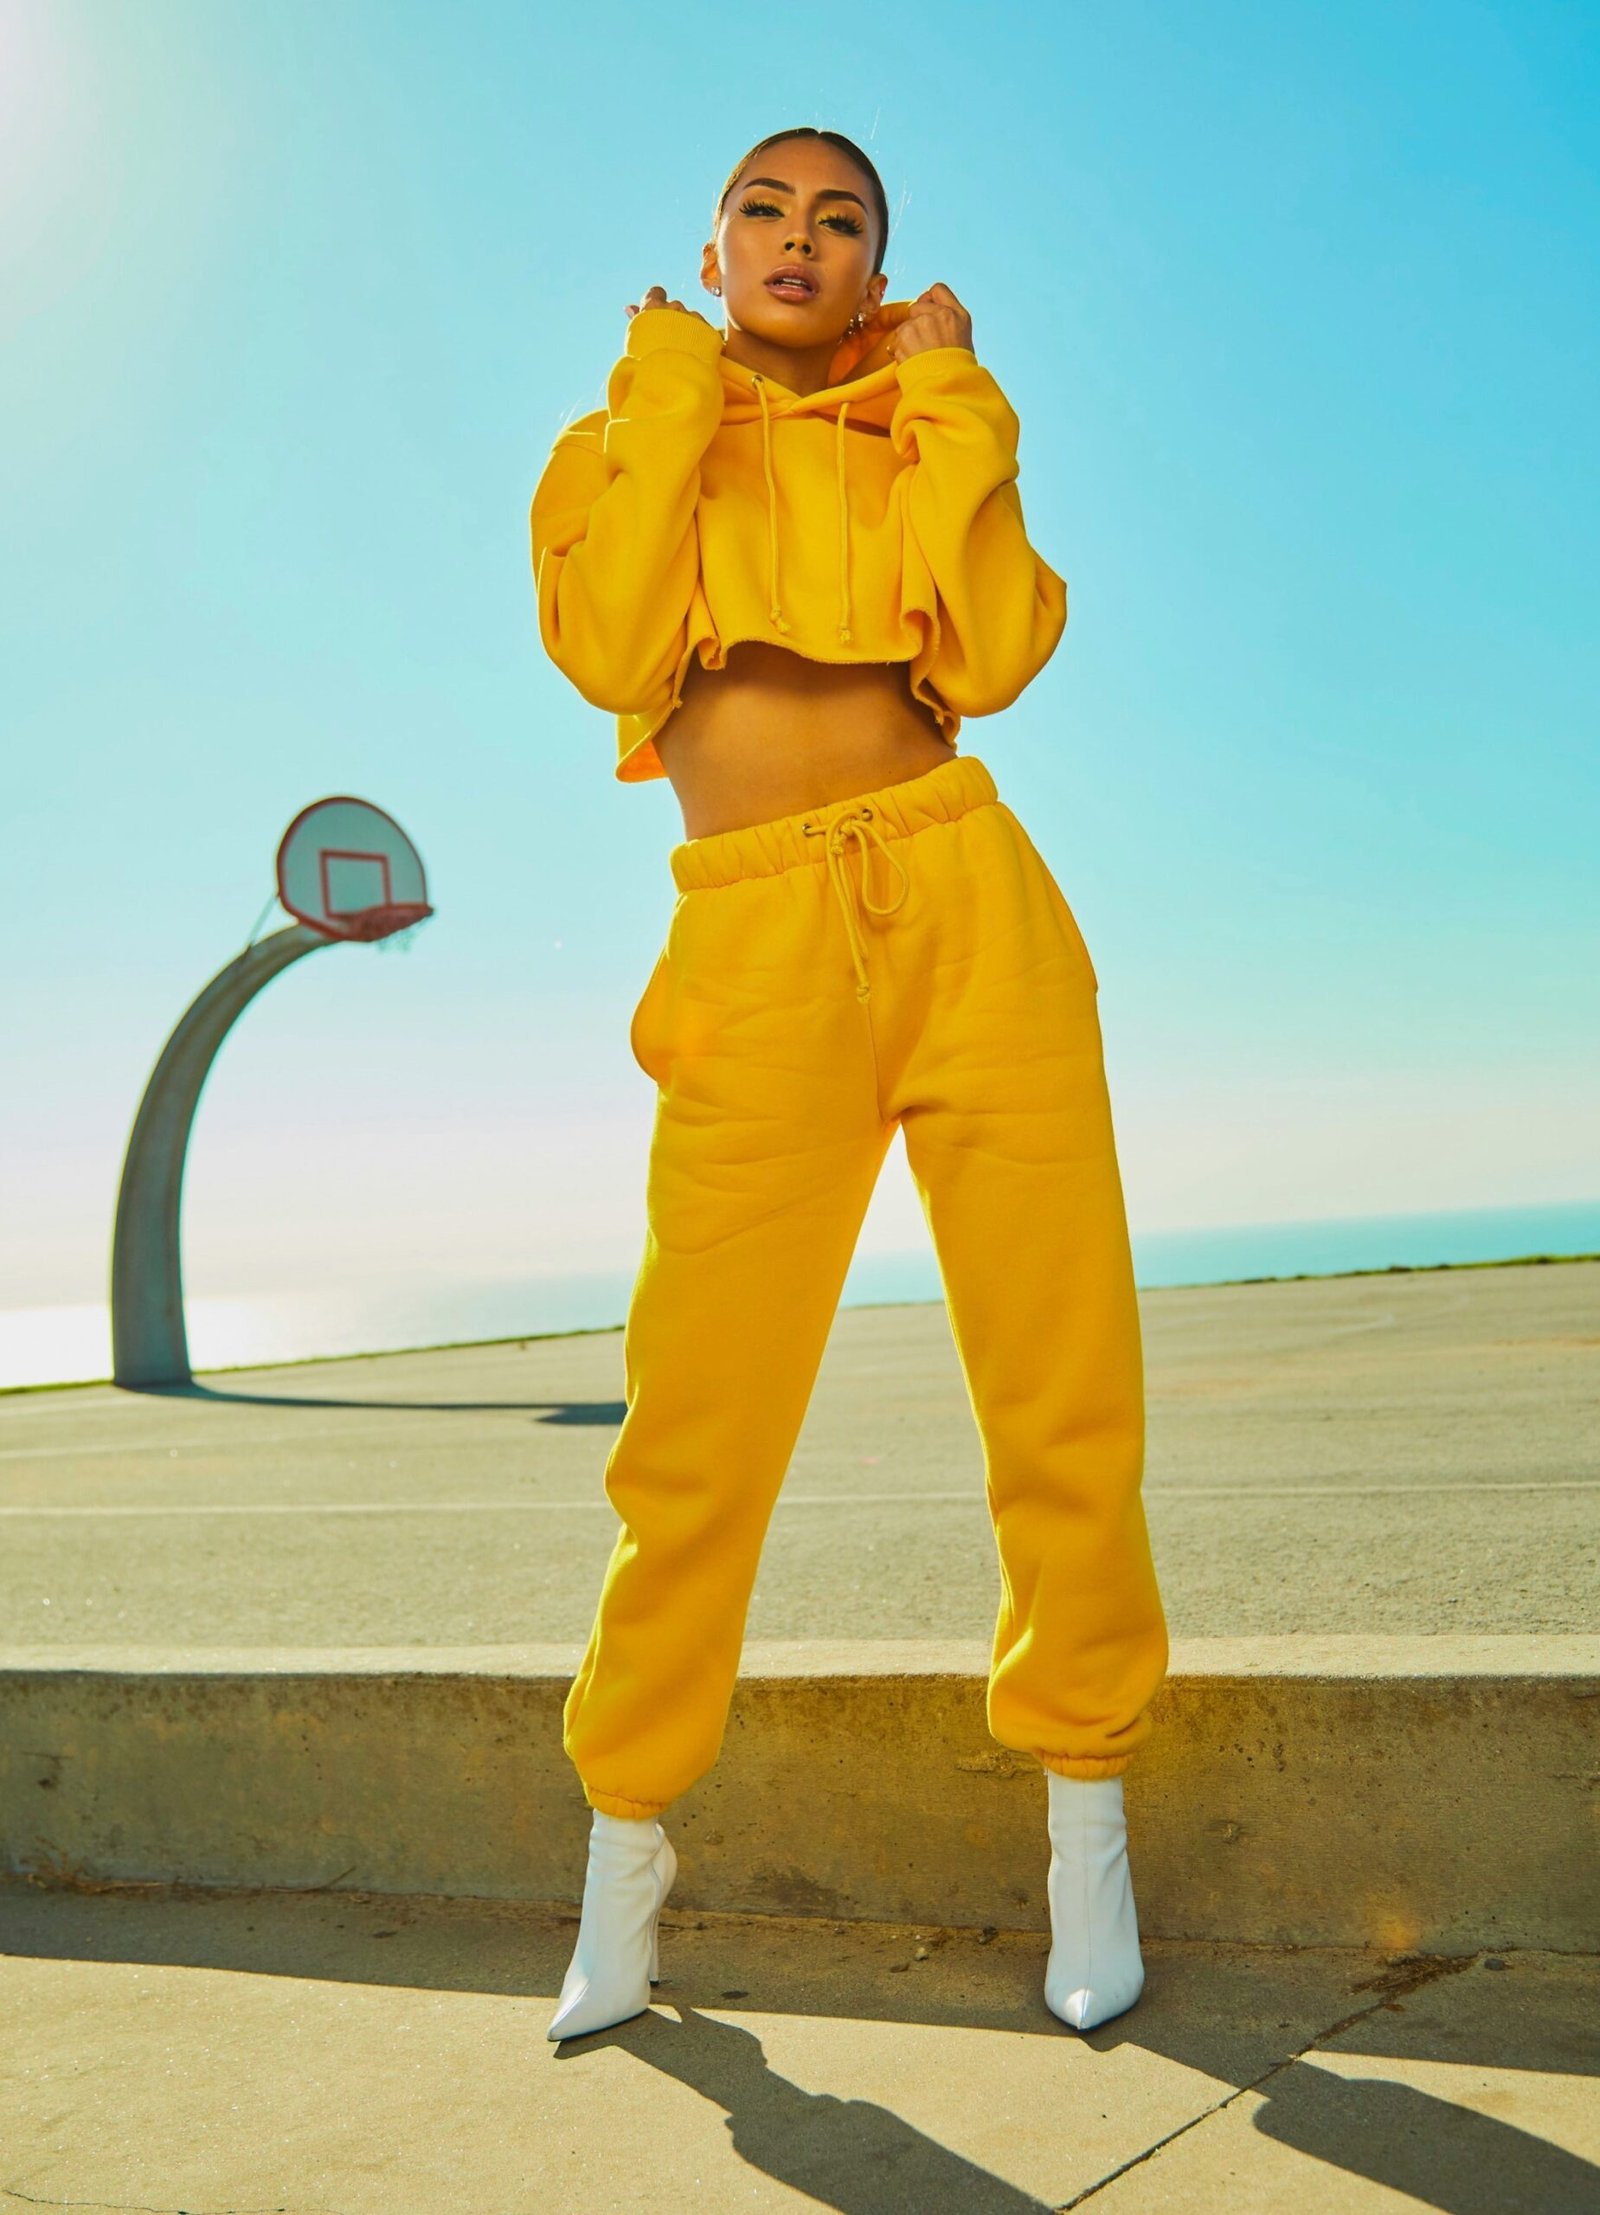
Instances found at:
x=1399 y=1978
x=143 y=2207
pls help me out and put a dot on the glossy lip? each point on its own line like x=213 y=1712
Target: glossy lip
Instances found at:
x=793 y=269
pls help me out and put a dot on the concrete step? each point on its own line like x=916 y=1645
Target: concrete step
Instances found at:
x=1417 y=1795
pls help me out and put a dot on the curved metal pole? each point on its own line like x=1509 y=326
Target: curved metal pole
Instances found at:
x=149 y=1344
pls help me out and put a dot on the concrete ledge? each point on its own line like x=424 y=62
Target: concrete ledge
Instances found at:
x=1428 y=1795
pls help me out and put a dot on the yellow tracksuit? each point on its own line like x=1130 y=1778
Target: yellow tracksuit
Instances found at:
x=902 y=959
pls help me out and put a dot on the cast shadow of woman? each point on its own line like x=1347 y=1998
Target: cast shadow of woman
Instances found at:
x=852 y=2155
x=861 y=2159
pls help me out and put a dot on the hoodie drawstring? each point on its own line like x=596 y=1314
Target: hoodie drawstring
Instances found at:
x=842 y=495
x=844 y=521
x=857 y=826
x=773 y=609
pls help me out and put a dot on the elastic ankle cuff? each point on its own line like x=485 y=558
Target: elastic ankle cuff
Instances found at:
x=1112 y=1765
x=611 y=1803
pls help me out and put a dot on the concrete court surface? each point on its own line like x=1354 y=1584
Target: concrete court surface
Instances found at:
x=1399 y=1454
x=355 y=2055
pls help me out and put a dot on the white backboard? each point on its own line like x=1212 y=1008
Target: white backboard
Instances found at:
x=347 y=868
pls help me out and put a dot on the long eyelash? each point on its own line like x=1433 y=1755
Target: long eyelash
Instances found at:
x=770 y=207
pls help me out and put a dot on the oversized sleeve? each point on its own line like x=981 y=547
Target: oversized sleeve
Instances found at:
x=615 y=553
x=996 y=608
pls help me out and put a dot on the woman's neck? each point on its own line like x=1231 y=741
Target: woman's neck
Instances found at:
x=800 y=369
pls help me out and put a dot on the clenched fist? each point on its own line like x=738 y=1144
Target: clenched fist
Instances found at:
x=937 y=318
x=656 y=297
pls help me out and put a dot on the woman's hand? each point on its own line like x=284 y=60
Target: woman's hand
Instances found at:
x=656 y=297
x=937 y=318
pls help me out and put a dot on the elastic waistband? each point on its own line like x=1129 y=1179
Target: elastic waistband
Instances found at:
x=791 y=841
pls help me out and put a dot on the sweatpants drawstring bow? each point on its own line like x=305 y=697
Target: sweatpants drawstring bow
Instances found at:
x=858 y=825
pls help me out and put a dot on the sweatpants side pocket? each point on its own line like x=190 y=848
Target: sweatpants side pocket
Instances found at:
x=1060 y=906
x=646 y=1040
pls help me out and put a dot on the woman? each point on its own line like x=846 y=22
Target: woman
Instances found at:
x=790 y=557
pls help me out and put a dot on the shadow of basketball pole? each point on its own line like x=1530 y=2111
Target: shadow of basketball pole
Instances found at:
x=338 y=890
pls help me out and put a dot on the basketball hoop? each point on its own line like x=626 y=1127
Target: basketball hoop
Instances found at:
x=345 y=871
x=349 y=870
x=385 y=920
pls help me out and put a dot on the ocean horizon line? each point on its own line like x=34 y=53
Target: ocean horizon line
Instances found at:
x=62 y=1347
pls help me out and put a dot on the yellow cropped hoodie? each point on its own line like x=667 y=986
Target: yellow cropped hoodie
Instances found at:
x=876 y=520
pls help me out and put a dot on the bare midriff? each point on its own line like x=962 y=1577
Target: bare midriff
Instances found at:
x=773 y=734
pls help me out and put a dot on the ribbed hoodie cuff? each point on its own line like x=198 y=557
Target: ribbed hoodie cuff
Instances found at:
x=934 y=362
x=654 y=328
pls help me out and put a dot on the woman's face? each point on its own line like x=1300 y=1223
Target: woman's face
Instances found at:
x=804 y=204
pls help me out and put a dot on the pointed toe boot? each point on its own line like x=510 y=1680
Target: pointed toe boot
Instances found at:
x=1095 y=1970
x=617 y=1957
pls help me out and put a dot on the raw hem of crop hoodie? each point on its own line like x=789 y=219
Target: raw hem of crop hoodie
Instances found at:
x=640 y=762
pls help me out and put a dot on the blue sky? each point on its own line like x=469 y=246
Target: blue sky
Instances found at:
x=1297 y=308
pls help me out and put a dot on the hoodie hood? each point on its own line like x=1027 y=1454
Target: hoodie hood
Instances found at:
x=863 y=386
x=863 y=379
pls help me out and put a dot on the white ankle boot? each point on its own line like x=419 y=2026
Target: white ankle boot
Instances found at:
x=616 y=1960
x=1094 y=1971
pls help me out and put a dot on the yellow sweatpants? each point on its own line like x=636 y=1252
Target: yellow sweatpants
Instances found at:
x=903 y=958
